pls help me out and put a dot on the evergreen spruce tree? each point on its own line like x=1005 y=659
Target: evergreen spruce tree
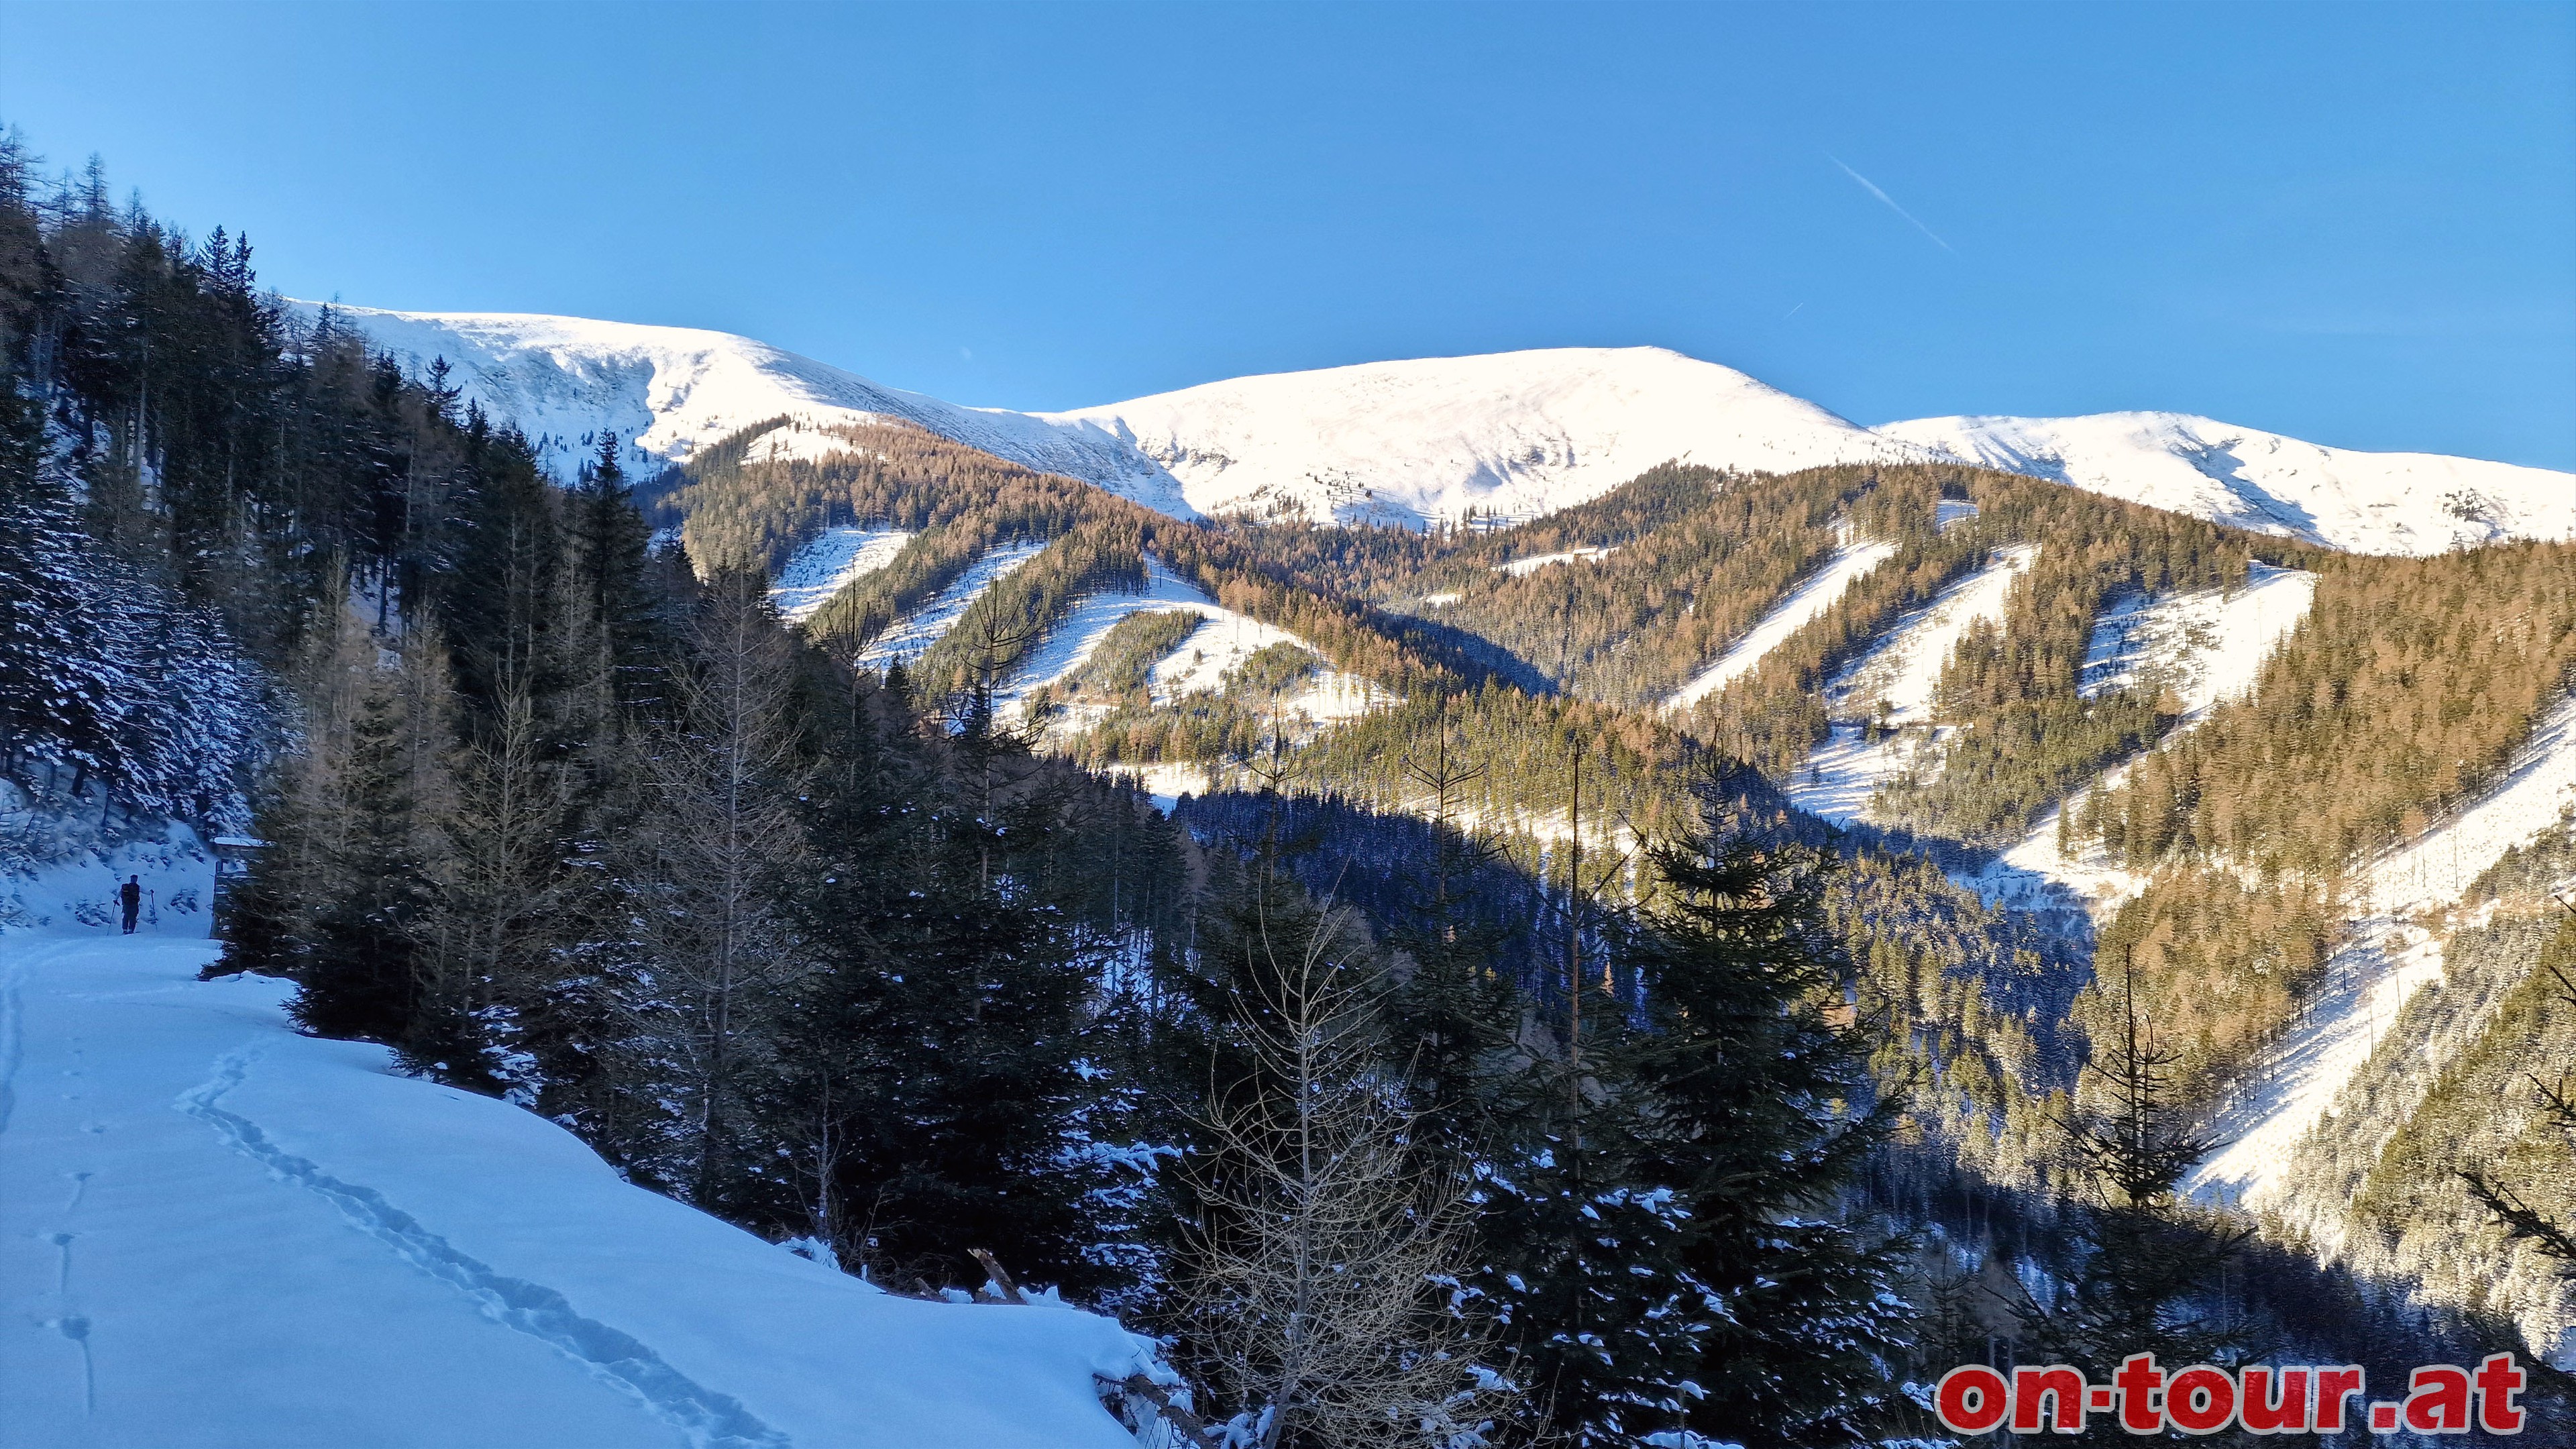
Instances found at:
x=1763 y=1113
x=932 y=1063
x=2143 y=1265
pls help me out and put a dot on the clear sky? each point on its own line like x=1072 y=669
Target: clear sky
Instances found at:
x=2354 y=224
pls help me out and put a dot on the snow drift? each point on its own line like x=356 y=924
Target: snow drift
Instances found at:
x=219 y=1232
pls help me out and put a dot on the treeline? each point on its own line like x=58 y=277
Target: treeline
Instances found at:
x=1697 y=556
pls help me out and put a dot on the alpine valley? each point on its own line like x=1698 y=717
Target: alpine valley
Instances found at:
x=1745 y=884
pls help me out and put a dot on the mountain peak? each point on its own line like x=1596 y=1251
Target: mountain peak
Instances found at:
x=669 y=391
x=1514 y=433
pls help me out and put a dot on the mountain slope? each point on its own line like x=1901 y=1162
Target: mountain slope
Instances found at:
x=233 y=1234
x=670 y=391
x=1518 y=433
x=2411 y=503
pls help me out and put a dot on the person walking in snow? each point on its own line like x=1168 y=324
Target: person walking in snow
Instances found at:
x=130 y=895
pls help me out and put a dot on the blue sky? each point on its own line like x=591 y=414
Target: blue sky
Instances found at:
x=2355 y=224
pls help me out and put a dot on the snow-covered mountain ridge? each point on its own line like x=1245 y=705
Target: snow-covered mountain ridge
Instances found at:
x=1514 y=434
x=2392 y=503
x=669 y=391
x=1519 y=434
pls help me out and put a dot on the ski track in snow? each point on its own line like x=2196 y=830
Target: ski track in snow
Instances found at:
x=299 y=1248
x=2387 y=957
x=911 y=636
x=709 y=1419
x=835 y=559
x=12 y=1041
x=1787 y=617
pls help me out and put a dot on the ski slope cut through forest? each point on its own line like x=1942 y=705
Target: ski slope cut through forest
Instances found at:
x=217 y=1228
x=2368 y=982
x=2396 y=503
x=835 y=559
x=1069 y=645
x=910 y=637
x=1791 y=614
x=2537 y=791
x=2209 y=646
x=1229 y=638
x=2390 y=953
x=1893 y=684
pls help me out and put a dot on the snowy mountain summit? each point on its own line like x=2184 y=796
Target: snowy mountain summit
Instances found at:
x=1517 y=434
x=1510 y=434
x=2390 y=503
x=669 y=391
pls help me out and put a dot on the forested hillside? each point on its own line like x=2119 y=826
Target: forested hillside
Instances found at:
x=1721 y=923
x=578 y=822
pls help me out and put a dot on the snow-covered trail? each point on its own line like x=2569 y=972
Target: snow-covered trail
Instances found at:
x=1787 y=617
x=217 y=1232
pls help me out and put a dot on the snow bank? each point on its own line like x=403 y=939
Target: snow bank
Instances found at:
x=833 y=561
x=218 y=1232
x=910 y=637
x=1787 y=617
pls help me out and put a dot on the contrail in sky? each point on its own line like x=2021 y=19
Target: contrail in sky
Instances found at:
x=1872 y=188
